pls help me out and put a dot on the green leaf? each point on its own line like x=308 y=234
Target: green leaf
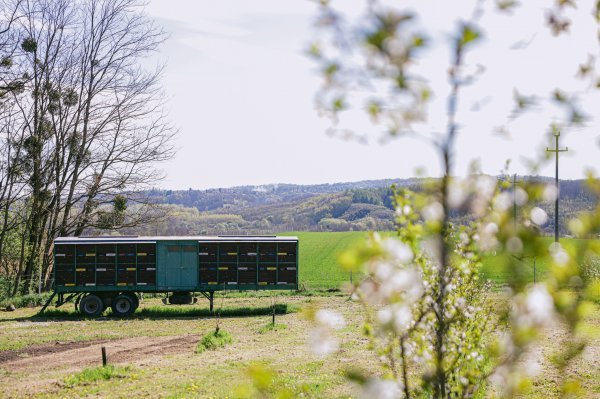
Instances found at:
x=377 y=38
x=374 y=108
x=315 y=50
x=506 y=5
x=468 y=34
x=559 y=96
x=564 y=3
x=425 y=94
x=418 y=41
x=339 y=104
x=331 y=69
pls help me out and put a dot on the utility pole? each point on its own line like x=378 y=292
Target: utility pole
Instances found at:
x=556 y=150
x=515 y=201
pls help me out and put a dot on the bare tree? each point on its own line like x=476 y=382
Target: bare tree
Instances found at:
x=93 y=120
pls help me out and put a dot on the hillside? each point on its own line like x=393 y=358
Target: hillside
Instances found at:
x=359 y=206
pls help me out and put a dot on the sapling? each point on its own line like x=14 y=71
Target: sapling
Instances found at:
x=218 y=313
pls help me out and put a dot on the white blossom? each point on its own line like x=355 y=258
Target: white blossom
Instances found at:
x=402 y=318
x=487 y=236
x=514 y=244
x=550 y=193
x=535 y=308
x=503 y=201
x=533 y=362
x=521 y=196
x=491 y=228
x=398 y=250
x=380 y=389
x=500 y=379
x=456 y=194
x=561 y=258
x=538 y=216
x=539 y=304
x=431 y=246
x=405 y=210
x=485 y=186
x=406 y=281
x=322 y=342
x=394 y=46
x=433 y=212
x=330 y=318
x=383 y=270
x=464 y=238
x=384 y=316
x=559 y=255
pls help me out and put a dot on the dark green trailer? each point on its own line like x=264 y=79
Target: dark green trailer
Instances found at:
x=99 y=272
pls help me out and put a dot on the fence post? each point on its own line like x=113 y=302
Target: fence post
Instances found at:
x=103 y=356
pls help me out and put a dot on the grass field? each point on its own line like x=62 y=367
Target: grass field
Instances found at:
x=155 y=352
x=319 y=252
x=318 y=257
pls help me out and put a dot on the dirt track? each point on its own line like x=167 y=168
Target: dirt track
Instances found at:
x=37 y=360
x=84 y=354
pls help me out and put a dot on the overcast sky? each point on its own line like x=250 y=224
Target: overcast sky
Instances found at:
x=242 y=92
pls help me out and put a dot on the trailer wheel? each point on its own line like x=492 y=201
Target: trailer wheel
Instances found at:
x=91 y=305
x=123 y=305
x=134 y=299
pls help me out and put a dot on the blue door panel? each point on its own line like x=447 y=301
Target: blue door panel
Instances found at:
x=178 y=265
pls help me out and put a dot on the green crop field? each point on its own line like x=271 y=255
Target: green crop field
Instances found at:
x=319 y=252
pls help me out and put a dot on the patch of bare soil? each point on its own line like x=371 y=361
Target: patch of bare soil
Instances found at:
x=88 y=353
x=38 y=350
x=73 y=356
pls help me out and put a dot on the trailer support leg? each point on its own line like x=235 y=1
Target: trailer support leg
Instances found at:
x=61 y=301
x=210 y=295
x=47 y=303
x=77 y=302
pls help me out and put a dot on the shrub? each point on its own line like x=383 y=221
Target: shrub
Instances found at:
x=214 y=340
x=272 y=327
x=24 y=301
x=93 y=374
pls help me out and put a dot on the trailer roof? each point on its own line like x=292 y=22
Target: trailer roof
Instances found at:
x=141 y=239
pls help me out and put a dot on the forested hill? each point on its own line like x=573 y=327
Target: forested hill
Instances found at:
x=364 y=205
x=217 y=198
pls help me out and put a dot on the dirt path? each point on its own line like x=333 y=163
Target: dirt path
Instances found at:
x=39 y=350
x=88 y=353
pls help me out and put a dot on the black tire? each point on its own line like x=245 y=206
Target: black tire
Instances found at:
x=134 y=298
x=122 y=305
x=91 y=305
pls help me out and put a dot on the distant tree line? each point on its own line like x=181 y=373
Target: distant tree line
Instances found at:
x=82 y=126
x=344 y=207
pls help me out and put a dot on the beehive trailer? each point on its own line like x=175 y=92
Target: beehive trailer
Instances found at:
x=101 y=272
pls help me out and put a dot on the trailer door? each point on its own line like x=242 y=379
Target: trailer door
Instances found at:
x=180 y=265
